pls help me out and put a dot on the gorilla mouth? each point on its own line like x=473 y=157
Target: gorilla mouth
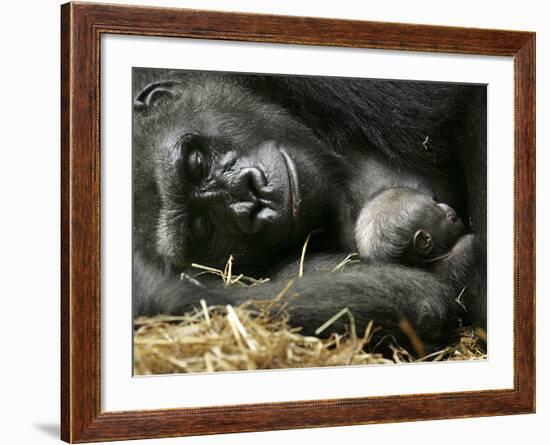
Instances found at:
x=293 y=183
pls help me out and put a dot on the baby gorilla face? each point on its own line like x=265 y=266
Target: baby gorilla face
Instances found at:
x=439 y=227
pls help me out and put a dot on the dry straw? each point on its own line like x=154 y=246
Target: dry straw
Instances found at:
x=258 y=336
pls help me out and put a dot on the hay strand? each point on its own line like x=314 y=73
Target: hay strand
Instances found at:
x=302 y=257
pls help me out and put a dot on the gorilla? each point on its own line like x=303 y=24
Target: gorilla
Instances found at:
x=252 y=165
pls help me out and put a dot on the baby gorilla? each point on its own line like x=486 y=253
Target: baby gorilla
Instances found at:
x=403 y=225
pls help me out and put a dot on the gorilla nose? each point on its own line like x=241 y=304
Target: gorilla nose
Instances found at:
x=250 y=209
x=248 y=182
x=252 y=217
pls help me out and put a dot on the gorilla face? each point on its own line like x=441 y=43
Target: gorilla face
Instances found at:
x=234 y=175
x=442 y=224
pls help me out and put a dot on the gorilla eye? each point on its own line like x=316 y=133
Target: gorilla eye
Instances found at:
x=200 y=227
x=195 y=165
x=191 y=156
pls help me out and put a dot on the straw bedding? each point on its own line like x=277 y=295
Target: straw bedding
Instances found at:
x=257 y=335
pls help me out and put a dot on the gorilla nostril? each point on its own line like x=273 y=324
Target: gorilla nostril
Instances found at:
x=248 y=183
x=245 y=215
x=263 y=218
x=256 y=181
x=252 y=217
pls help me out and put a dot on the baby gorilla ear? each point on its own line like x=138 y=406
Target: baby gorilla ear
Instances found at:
x=154 y=93
x=423 y=242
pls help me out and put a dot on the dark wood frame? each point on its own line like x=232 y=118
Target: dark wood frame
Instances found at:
x=81 y=28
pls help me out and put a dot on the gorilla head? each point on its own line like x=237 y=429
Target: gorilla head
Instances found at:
x=234 y=175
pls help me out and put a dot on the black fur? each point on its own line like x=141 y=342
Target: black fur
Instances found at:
x=349 y=138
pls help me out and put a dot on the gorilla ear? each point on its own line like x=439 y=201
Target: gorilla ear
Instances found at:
x=423 y=242
x=154 y=93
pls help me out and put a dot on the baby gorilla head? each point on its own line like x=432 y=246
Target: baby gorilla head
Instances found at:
x=406 y=226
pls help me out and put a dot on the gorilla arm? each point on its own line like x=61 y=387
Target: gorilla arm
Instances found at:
x=386 y=294
x=458 y=265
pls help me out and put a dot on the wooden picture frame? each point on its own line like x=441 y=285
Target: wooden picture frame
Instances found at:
x=82 y=26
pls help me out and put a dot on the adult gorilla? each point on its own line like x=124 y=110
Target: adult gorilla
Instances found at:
x=248 y=165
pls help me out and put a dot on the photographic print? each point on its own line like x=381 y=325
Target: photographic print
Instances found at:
x=292 y=250
x=285 y=221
